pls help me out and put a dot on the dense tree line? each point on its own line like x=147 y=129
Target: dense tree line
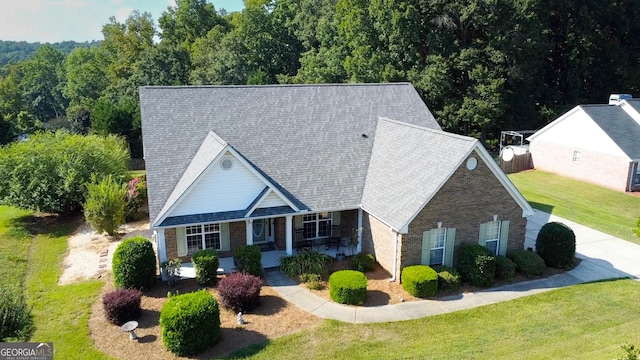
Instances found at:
x=14 y=51
x=480 y=65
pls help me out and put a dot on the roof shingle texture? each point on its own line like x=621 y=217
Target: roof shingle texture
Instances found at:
x=315 y=141
x=408 y=166
x=618 y=125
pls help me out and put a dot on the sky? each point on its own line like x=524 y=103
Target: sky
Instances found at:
x=78 y=20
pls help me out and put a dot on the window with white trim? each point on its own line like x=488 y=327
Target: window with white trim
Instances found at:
x=438 y=241
x=576 y=157
x=636 y=178
x=316 y=225
x=205 y=236
x=492 y=236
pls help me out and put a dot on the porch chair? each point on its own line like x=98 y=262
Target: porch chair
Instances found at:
x=334 y=238
x=301 y=243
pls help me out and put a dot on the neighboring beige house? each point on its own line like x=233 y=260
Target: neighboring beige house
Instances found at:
x=594 y=143
x=229 y=166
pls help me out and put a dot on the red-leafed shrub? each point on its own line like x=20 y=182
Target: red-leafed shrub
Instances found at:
x=240 y=291
x=122 y=305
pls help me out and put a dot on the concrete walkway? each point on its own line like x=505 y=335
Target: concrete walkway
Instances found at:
x=603 y=257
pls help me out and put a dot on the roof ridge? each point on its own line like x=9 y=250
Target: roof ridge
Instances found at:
x=403 y=83
x=434 y=131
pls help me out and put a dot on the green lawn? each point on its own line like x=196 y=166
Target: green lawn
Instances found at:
x=609 y=211
x=588 y=321
x=60 y=313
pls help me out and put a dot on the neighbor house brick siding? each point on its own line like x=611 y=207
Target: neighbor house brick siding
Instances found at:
x=598 y=168
x=378 y=239
x=466 y=200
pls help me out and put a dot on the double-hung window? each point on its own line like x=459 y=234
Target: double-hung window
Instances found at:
x=205 y=236
x=316 y=225
x=438 y=241
x=492 y=237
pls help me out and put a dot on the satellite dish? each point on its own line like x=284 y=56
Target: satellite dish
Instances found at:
x=507 y=154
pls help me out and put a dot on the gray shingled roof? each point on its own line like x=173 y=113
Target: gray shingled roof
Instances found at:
x=618 y=125
x=315 y=141
x=408 y=166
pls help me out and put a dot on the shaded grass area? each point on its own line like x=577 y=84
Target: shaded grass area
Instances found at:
x=14 y=246
x=609 y=211
x=32 y=249
x=590 y=321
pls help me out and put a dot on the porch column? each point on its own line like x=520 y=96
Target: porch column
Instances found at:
x=158 y=236
x=289 y=234
x=359 y=246
x=249 y=224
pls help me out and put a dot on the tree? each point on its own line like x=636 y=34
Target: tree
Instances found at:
x=105 y=205
x=188 y=21
x=42 y=84
x=86 y=70
x=121 y=118
x=49 y=171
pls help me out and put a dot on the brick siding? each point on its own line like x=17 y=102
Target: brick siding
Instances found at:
x=468 y=199
x=378 y=239
x=598 y=168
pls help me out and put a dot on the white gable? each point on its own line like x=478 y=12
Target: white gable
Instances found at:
x=576 y=129
x=271 y=200
x=219 y=189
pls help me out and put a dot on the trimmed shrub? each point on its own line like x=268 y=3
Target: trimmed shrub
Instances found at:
x=122 y=305
x=476 y=265
x=206 y=262
x=105 y=205
x=240 y=291
x=249 y=259
x=505 y=268
x=556 y=245
x=448 y=278
x=528 y=263
x=16 y=323
x=362 y=262
x=348 y=287
x=134 y=264
x=420 y=280
x=305 y=262
x=190 y=323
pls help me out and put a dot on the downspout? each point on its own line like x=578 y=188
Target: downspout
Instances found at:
x=395 y=257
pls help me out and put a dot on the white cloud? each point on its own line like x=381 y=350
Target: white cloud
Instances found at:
x=25 y=5
x=123 y=13
x=171 y=3
x=74 y=4
x=116 y=2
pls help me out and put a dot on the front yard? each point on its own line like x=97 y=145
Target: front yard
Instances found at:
x=584 y=321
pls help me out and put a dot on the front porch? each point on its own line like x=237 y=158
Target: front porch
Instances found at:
x=270 y=259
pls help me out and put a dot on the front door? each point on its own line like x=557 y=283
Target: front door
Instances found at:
x=262 y=231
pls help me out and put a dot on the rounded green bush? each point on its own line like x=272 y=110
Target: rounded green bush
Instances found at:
x=206 y=263
x=249 y=259
x=505 y=268
x=528 y=263
x=134 y=264
x=420 y=280
x=190 y=323
x=362 y=262
x=476 y=265
x=348 y=287
x=448 y=278
x=556 y=245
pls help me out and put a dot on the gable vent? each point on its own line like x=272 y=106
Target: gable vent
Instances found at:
x=226 y=164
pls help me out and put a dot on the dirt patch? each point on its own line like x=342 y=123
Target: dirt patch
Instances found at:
x=89 y=254
x=274 y=317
